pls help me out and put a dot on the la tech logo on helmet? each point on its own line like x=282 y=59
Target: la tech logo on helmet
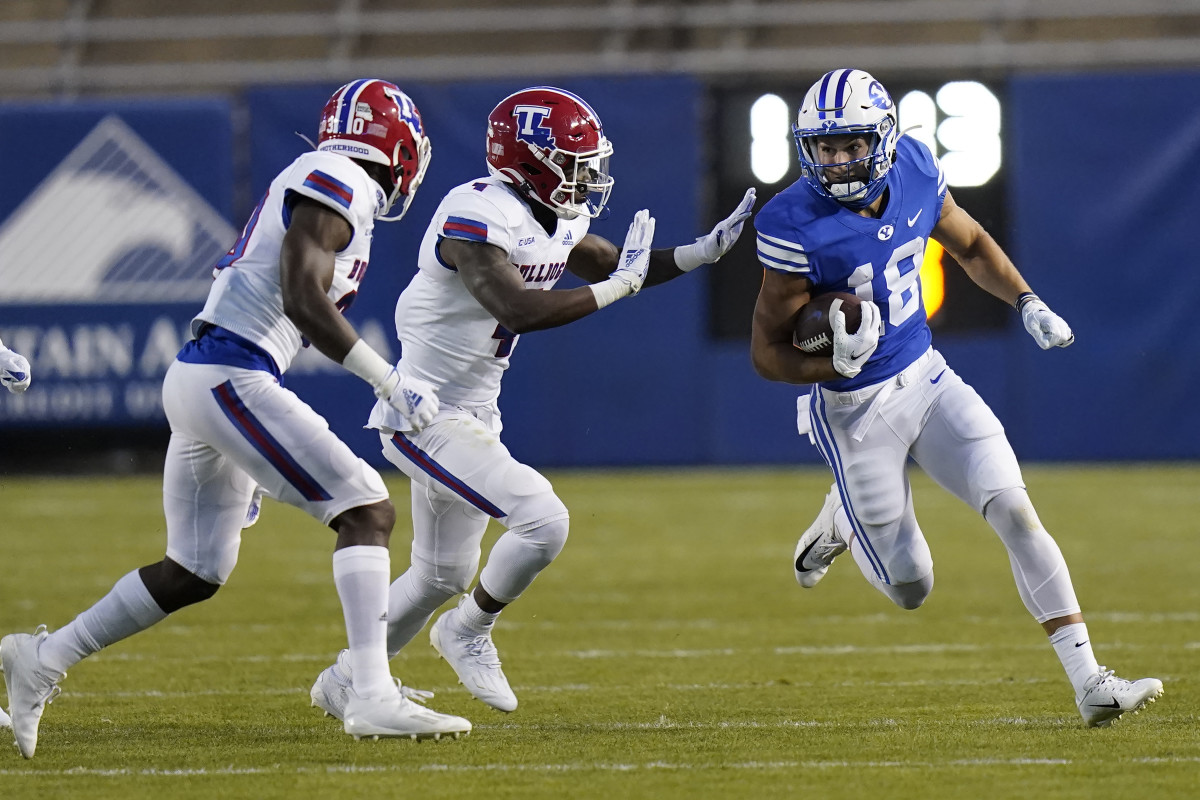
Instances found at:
x=530 y=127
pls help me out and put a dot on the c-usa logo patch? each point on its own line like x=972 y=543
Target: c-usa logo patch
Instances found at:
x=530 y=127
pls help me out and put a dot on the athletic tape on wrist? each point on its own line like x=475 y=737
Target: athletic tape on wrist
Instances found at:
x=689 y=256
x=366 y=363
x=608 y=291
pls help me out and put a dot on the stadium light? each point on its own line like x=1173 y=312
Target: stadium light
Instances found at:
x=770 y=139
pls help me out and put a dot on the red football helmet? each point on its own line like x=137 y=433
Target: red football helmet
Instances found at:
x=550 y=145
x=373 y=120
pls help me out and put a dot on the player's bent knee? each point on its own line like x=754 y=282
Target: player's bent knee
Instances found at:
x=174 y=587
x=911 y=596
x=365 y=525
x=547 y=537
x=1012 y=509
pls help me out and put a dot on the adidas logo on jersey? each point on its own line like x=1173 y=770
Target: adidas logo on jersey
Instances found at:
x=112 y=223
x=567 y=239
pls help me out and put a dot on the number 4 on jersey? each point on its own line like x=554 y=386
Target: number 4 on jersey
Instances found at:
x=506 y=340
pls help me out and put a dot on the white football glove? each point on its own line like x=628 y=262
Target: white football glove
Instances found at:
x=635 y=256
x=14 y=370
x=851 y=351
x=717 y=242
x=415 y=399
x=1047 y=328
x=630 y=274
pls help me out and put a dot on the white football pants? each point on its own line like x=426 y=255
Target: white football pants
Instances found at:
x=462 y=476
x=233 y=429
x=929 y=413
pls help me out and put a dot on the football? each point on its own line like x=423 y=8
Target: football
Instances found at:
x=814 y=333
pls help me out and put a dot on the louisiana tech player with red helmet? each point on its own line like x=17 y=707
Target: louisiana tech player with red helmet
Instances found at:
x=297 y=264
x=487 y=267
x=858 y=221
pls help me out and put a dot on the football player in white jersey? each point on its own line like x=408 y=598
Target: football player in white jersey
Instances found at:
x=492 y=253
x=856 y=222
x=296 y=266
x=14 y=375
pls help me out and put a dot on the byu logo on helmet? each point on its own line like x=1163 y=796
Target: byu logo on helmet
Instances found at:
x=530 y=127
x=879 y=96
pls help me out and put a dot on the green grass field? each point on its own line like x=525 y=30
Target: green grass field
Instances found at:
x=668 y=653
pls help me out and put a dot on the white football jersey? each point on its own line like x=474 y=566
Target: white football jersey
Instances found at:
x=446 y=336
x=246 y=297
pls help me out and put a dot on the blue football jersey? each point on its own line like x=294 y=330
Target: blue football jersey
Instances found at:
x=801 y=232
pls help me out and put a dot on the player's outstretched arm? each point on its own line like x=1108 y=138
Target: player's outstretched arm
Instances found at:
x=772 y=349
x=498 y=286
x=306 y=264
x=14 y=370
x=599 y=258
x=986 y=263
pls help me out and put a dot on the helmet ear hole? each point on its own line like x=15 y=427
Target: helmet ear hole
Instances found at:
x=530 y=169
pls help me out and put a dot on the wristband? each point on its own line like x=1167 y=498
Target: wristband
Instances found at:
x=608 y=291
x=690 y=256
x=1023 y=298
x=366 y=363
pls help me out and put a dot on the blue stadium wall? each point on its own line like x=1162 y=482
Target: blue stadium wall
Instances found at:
x=1093 y=218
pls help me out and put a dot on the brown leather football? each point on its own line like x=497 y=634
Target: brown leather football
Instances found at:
x=814 y=334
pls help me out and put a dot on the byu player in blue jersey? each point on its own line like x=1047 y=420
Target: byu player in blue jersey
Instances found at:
x=297 y=265
x=858 y=222
x=14 y=376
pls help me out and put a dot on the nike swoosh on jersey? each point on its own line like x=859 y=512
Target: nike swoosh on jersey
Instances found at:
x=914 y=219
x=938 y=378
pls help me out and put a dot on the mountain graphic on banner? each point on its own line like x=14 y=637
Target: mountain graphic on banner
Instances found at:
x=113 y=223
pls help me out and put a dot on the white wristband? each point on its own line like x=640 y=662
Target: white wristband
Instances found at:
x=689 y=256
x=608 y=291
x=366 y=363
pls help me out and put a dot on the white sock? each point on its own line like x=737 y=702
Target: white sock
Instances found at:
x=411 y=602
x=474 y=618
x=1074 y=650
x=127 y=609
x=361 y=574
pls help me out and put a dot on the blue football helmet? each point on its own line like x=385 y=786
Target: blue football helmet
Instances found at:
x=848 y=101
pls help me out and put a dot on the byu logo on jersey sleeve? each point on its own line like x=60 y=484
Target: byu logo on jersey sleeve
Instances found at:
x=885 y=233
x=530 y=126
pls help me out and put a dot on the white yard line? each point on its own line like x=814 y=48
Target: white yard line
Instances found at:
x=648 y=766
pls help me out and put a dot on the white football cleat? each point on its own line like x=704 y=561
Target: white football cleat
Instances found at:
x=1106 y=697
x=473 y=656
x=820 y=544
x=5 y=721
x=30 y=688
x=330 y=690
x=328 y=693
x=397 y=716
